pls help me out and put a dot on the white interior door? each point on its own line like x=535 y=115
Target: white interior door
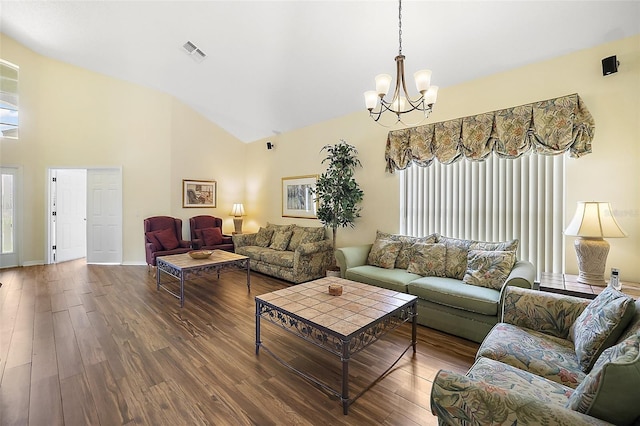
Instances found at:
x=70 y=214
x=8 y=217
x=104 y=216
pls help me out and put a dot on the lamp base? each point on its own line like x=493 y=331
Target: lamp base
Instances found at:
x=592 y=258
x=237 y=224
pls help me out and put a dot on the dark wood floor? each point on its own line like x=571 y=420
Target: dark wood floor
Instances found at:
x=98 y=345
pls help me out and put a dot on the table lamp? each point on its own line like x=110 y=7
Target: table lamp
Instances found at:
x=237 y=212
x=592 y=222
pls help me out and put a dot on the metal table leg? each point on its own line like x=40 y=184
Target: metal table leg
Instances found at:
x=258 y=308
x=248 y=276
x=344 y=397
x=181 y=289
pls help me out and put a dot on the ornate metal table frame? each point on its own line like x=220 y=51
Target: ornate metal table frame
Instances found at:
x=336 y=343
x=183 y=273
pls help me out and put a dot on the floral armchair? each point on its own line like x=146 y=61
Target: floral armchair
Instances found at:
x=162 y=237
x=554 y=359
x=206 y=234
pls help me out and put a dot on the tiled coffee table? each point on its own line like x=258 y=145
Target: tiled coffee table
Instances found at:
x=342 y=325
x=183 y=267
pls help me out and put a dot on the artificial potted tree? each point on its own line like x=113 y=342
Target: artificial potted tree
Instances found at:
x=337 y=192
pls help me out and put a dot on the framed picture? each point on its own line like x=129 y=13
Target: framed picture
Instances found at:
x=298 y=196
x=198 y=193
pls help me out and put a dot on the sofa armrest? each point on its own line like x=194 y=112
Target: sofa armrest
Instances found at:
x=548 y=313
x=350 y=257
x=241 y=240
x=460 y=400
x=522 y=275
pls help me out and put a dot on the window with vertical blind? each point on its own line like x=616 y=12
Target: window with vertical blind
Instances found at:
x=492 y=200
x=8 y=100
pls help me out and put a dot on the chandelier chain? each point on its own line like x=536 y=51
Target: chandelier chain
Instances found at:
x=400 y=27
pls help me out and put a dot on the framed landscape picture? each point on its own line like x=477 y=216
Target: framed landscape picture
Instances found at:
x=198 y=193
x=298 y=196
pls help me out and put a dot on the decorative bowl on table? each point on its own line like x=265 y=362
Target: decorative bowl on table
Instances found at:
x=200 y=254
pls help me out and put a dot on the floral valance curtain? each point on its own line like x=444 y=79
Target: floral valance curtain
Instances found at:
x=548 y=127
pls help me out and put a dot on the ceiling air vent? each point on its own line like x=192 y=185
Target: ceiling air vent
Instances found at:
x=194 y=51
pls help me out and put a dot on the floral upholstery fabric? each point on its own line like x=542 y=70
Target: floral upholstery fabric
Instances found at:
x=280 y=240
x=277 y=257
x=600 y=325
x=610 y=391
x=303 y=235
x=552 y=126
x=456 y=257
x=478 y=401
x=406 y=251
x=384 y=253
x=486 y=268
x=428 y=259
x=540 y=354
x=499 y=246
x=505 y=376
x=263 y=239
x=309 y=261
x=549 y=313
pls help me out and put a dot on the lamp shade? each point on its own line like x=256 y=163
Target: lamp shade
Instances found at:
x=237 y=210
x=594 y=219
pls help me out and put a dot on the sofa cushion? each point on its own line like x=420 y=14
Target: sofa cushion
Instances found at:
x=151 y=236
x=452 y=292
x=305 y=234
x=212 y=236
x=277 y=257
x=280 y=240
x=252 y=252
x=500 y=246
x=263 y=239
x=487 y=268
x=383 y=253
x=428 y=259
x=392 y=279
x=406 y=252
x=600 y=324
x=503 y=376
x=167 y=238
x=550 y=357
x=610 y=390
x=456 y=259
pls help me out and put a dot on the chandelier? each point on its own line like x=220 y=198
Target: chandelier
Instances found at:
x=401 y=102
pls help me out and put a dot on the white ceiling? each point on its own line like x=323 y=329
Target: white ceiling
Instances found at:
x=274 y=66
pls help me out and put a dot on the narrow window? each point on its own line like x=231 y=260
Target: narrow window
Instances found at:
x=8 y=99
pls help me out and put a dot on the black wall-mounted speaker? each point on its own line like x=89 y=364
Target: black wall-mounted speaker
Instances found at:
x=610 y=65
x=270 y=145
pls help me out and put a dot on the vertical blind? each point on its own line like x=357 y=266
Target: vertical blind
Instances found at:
x=492 y=200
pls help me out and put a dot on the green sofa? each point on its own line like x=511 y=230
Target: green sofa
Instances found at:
x=445 y=301
x=289 y=252
x=555 y=360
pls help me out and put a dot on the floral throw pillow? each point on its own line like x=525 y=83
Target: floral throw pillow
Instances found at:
x=263 y=238
x=383 y=253
x=280 y=240
x=600 y=325
x=456 y=260
x=428 y=259
x=609 y=392
x=501 y=246
x=489 y=268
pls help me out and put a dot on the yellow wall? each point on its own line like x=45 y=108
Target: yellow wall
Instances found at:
x=73 y=117
x=610 y=173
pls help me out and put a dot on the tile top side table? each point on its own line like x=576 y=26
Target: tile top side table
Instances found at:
x=569 y=285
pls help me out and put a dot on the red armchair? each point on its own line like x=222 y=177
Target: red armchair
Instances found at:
x=206 y=234
x=162 y=237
